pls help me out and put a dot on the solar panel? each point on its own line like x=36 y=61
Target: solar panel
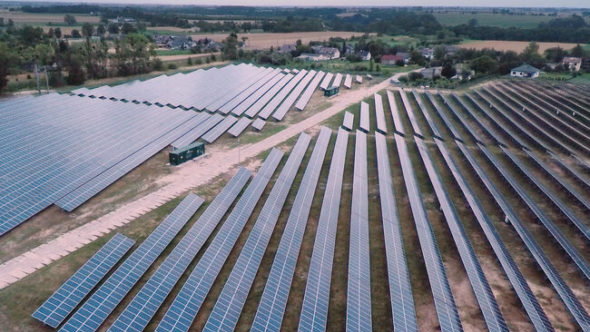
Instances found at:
x=337 y=80
x=569 y=299
x=358 y=295
x=230 y=105
x=517 y=280
x=91 y=315
x=306 y=96
x=577 y=175
x=380 y=114
x=348 y=122
x=411 y=114
x=358 y=79
x=473 y=115
x=400 y=287
x=65 y=299
x=566 y=245
x=395 y=115
x=429 y=120
x=146 y=302
x=214 y=134
x=229 y=304
x=314 y=313
x=194 y=134
x=479 y=283
x=348 y=81
x=448 y=317
x=253 y=98
x=326 y=81
x=272 y=105
x=270 y=312
x=187 y=303
x=239 y=127
x=286 y=105
x=364 y=123
x=438 y=107
x=255 y=108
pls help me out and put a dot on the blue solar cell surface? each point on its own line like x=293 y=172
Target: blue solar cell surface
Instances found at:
x=187 y=303
x=67 y=297
x=314 y=313
x=270 y=312
x=229 y=304
x=91 y=315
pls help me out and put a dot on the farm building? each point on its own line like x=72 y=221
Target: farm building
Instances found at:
x=526 y=71
x=572 y=63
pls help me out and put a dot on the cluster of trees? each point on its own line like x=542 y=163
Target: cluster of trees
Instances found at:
x=23 y=49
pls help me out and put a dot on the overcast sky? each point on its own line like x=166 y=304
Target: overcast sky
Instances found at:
x=483 y=3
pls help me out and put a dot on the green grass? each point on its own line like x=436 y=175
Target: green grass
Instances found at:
x=583 y=78
x=491 y=19
x=173 y=52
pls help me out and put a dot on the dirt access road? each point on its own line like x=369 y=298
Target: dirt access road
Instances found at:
x=189 y=176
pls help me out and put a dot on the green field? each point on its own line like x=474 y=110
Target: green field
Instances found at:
x=173 y=52
x=490 y=19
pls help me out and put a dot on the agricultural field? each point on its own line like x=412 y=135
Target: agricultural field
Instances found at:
x=516 y=46
x=268 y=40
x=44 y=19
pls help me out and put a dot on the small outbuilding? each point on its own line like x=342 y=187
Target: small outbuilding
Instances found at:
x=525 y=71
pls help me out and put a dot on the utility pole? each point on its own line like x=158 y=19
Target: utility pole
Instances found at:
x=37 y=78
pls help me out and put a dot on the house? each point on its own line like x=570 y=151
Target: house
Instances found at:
x=451 y=50
x=572 y=63
x=390 y=60
x=431 y=73
x=349 y=50
x=365 y=55
x=122 y=20
x=526 y=71
x=312 y=57
x=287 y=48
x=427 y=53
x=405 y=56
x=463 y=73
x=328 y=52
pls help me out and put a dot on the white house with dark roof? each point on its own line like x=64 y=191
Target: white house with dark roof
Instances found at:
x=525 y=71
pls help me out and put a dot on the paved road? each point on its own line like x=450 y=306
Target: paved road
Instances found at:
x=190 y=175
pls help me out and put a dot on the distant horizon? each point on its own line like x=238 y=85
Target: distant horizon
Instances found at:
x=530 y=4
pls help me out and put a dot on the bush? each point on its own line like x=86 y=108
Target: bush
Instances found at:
x=172 y=66
x=157 y=64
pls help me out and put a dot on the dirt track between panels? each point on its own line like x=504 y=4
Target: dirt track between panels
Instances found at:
x=189 y=176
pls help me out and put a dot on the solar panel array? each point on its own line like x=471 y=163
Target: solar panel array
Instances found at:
x=273 y=303
x=446 y=310
x=365 y=122
x=400 y=287
x=258 y=124
x=239 y=127
x=479 y=283
x=280 y=112
x=567 y=296
x=358 y=79
x=277 y=100
x=314 y=313
x=429 y=120
x=69 y=295
x=326 y=81
x=146 y=302
x=395 y=114
x=411 y=114
x=528 y=300
x=358 y=295
x=219 y=129
x=348 y=81
x=337 y=80
x=188 y=301
x=229 y=304
x=95 y=310
x=306 y=95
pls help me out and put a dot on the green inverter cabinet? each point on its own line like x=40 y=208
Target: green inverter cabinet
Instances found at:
x=331 y=91
x=191 y=151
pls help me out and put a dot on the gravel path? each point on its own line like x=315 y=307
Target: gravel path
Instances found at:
x=190 y=175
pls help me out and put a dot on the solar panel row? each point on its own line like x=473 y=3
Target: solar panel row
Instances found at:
x=91 y=315
x=438 y=107
x=69 y=295
x=348 y=81
x=146 y=302
x=395 y=114
x=216 y=132
x=194 y=134
x=429 y=120
x=479 y=283
x=358 y=79
x=186 y=304
x=411 y=114
x=348 y=122
x=364 y=122
x=270 y=312
x=448 y=317
x=567 y=296
x=314 y=312
x=254 y=88
x=380 y=114
x=326 y=81
x=337 y=80
x=230 y=302
x=306 y=95
x=253 y=98
x=286 y=105
x=400 y=287
x=281 y=96
x=239 y=127
x=358 y=295
x=517 y=280
x=256 y=107
x=258 y=124
x=470 y=110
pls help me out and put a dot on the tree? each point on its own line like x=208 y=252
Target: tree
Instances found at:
x=133 y=53
x=101 y=30
x=87 y=30
x=555 y=54
x=439 y=53
x=7 y=59
x=578 y=51
x=113 y=29
x=531 y=55
x=128 y=28
x=70 y=19
x=57 y=33
x=484 y=64
x=230 y=47
x=76 y=34
x=448 y=70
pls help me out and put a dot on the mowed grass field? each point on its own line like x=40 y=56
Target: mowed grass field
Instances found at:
x=491 y=19
x=516 y=46
x=40 y=19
